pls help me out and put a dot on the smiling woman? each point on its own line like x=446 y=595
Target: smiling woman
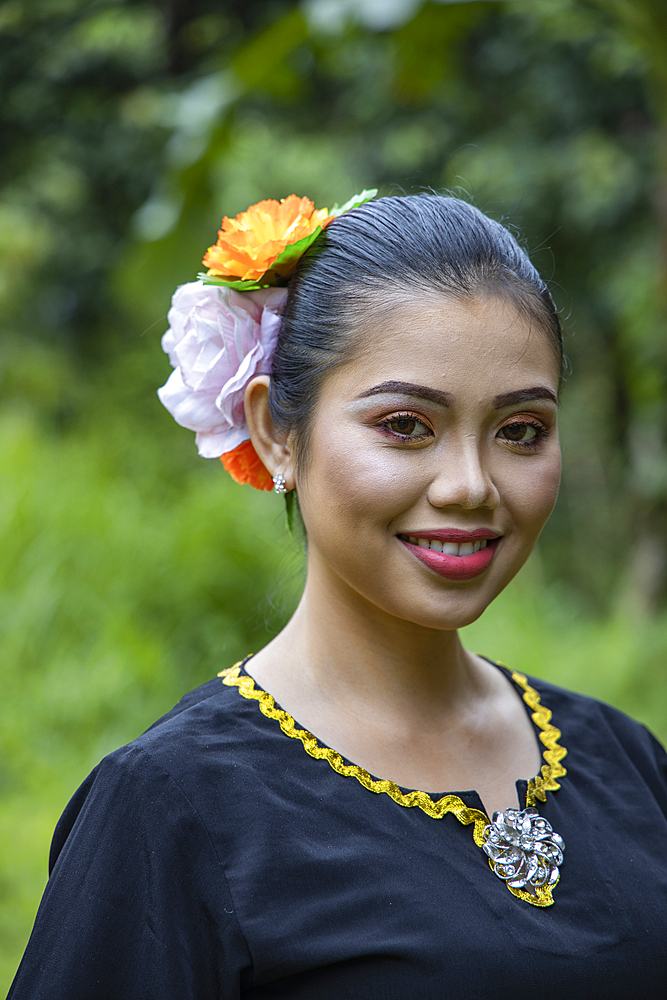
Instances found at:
x=398 y=372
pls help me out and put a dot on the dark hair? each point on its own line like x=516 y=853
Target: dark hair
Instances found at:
x=422 y=242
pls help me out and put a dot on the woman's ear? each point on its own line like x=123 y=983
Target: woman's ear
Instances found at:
x=271 y=445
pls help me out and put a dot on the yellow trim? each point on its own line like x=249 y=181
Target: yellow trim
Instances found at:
x=553 y=752
x=542 y=897
x=438 y=808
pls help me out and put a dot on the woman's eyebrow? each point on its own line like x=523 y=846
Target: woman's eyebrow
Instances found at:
x=523 y=396
x=446 y=398
x=410 y=389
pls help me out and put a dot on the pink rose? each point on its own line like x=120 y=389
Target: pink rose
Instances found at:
x=217 y=340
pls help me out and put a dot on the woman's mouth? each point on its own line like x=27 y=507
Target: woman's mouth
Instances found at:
x=461 y=559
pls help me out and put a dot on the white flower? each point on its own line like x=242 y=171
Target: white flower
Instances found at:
x=217 y=340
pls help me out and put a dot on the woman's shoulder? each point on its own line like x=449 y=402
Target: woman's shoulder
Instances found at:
x=587 y=709
x=135 y=858
x=592 y=728
x=203 y=749
x=207 y=708
x=209 y=721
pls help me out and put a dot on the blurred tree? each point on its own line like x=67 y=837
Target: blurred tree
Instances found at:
x=85 y=116
x=641 y=337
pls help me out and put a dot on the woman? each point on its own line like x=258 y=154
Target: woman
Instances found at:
x=399 y=374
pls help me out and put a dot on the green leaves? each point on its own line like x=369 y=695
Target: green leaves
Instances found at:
x=354 y=202
x=285 y=262
x=235 y=283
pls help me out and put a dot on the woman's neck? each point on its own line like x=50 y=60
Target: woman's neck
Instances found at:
x=404 y=702
x=340 y=648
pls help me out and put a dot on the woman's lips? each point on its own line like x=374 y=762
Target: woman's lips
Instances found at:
x=463 y=566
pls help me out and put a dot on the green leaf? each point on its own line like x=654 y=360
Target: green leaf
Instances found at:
x=236 y=284
x=293 y=252
x=354 y=202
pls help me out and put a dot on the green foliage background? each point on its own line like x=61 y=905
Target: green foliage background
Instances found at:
x=131 y=570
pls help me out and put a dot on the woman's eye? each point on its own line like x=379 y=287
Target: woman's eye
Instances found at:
x=406 y=426
x=523 y=433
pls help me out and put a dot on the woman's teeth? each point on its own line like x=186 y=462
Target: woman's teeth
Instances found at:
x=448 y=548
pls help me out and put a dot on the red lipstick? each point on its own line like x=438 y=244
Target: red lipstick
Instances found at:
x=448 y=564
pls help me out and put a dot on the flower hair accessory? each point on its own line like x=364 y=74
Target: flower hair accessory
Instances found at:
x=223 y=328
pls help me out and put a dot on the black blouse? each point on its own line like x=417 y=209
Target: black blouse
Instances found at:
x=227 y=854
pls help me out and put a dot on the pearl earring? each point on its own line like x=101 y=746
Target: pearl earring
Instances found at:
x=279 y=483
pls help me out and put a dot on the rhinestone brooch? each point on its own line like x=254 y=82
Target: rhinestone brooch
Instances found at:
x=523 y=848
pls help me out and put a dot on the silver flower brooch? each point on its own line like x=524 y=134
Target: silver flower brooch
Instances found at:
x=524 y=850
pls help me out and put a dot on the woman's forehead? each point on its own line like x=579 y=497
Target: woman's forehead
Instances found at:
x=451 y=345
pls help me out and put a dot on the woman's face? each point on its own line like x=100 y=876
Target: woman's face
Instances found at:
x=441 y=435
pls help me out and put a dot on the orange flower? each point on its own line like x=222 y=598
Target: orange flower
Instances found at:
x=245 y=466
x=249 y=244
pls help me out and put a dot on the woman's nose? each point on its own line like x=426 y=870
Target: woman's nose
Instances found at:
x=463 y=480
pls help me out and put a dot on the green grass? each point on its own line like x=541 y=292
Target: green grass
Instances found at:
x=131 y=572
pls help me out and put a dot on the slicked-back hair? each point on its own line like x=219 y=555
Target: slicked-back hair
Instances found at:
x=415 y=243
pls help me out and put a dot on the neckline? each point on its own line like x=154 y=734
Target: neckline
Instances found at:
x=536 y=787
x=436 y=808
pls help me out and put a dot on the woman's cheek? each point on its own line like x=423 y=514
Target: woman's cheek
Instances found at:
x=359 y=473
x=533 y=497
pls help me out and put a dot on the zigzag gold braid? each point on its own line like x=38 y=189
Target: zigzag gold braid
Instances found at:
x=422 y=800
x=553 y=754
x=537 y=787
x=542 y=897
